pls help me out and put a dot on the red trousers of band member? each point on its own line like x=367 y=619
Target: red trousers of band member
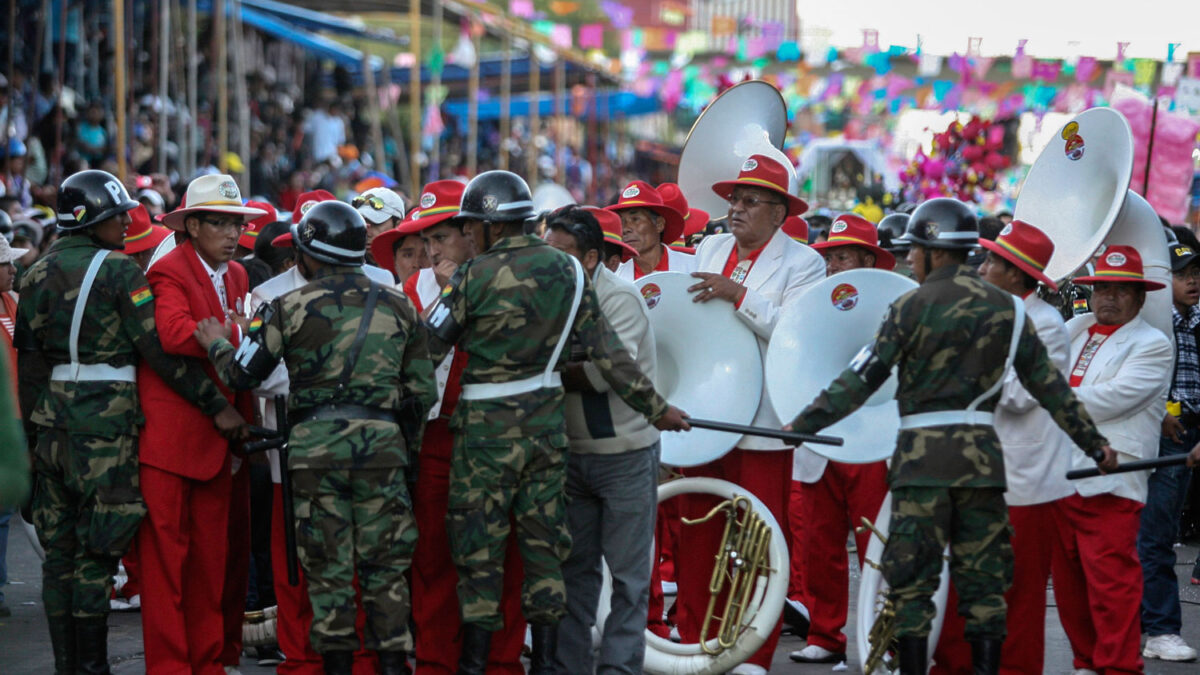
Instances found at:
x=666 y=539
x=832 y=507
x=294 y=618
x=237 y=567
x=133 y=573
x=1034 y=533
x=435 y=609
x=1098 y=581
x=766 y=475
x=796 y=543
x=183 y=544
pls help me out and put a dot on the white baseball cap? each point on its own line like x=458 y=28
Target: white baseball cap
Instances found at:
x=379 y=204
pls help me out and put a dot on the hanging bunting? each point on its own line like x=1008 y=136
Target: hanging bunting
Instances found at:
x=591 y=35
x=1086 y=69
x=522 y=9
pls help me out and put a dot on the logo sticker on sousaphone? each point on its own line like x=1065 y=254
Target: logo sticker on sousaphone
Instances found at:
x=844 y=297
x=651 y=293
x=1074 y=147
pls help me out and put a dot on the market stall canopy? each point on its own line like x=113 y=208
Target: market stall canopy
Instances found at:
x=320 y=21
x=605 y=105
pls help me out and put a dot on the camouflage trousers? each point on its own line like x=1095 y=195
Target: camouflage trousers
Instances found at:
x=974 y=521
x=87 y=509
x=523 y=478
x=355 y=521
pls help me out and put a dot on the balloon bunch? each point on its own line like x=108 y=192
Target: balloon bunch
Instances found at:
x=962 y=163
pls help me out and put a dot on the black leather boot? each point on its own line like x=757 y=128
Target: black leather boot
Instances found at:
x=476 y=643
x=393 y=663
x=545 y=646
x=91 y=645
x=338 y=663
x=985 y=655
x=62 y=642
x=912 y=654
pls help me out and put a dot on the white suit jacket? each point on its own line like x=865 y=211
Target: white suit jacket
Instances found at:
x=783 y=271
x=1125 y=392
x=1037 y=453
x=677 y=261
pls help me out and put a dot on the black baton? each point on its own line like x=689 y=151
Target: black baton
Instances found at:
x=1140 y=465
x=766 y=432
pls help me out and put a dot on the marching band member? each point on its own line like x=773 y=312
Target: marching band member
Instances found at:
x=758 y=270
x=434 y=579
x=614 y=249
x=398 y=253
x=835 y=495
x=86 y=317
x=305 y=202
x=649 y=225
x=1162 y=620
x=694 y=220
x=1121 y=370
x=195 y=542
x=612 y=472
x=946 y=476
x=1037 y=454
x=795 y=610
x=508 y=460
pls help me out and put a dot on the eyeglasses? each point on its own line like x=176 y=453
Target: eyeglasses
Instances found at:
x=225 y=224
x=751 y=201
x=371 y=200
x=1187 y=273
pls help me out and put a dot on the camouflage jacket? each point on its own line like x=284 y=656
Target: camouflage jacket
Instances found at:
x=950 y=339
x=117 y=328
x=312 y=328
x=511 y=304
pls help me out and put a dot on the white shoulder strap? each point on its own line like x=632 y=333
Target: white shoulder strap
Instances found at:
x=85 y=289
x=548 y=373
x=1018 y=328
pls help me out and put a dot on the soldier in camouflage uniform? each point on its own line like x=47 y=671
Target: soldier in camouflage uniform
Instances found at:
x=87 y=314
x=358 y=364
x=951 y=339
x=513 y=309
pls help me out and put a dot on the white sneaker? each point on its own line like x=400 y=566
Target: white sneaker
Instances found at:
x=1168 y=648
x=670 y=588
x=816 y=654
x=748 y=669
x=675 y=636
x=1085 y=671
x=232 y=670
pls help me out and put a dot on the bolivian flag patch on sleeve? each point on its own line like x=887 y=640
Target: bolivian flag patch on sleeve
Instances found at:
x=255 y=323
x=141 y=296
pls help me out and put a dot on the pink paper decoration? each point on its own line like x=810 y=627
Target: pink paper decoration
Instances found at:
x=522 y=9
x=1171 y=161
x=591 y=36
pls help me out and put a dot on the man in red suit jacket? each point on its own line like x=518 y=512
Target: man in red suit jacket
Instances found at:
x=194 y=541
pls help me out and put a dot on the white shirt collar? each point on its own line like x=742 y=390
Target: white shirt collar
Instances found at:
x=219 y=272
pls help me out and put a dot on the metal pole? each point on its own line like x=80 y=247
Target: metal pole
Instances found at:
x=221 y=66
x=193 y=144
x=12 y=67
x=560 y=120
x=473 y=110
x=164 y=70
x=505 y=99
x=1150 y=150
x=535 y=87
x=243 y=95
x=414 y=100
x=119 y=66
x=373 y=111
x=435 y=162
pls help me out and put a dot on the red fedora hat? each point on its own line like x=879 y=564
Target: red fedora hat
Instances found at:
x=763 y=172
x=796 y=228
x=141 y=235
x=439 y=202
x=250 y=234
x=1121 y=264
x=641 y=195
x=610 y=225
x=694 y=220
x=304 y=202
x=852 y=230
x=1025 y=246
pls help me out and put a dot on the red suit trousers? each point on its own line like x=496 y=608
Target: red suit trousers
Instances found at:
x=797 y=538
x=237 y=567
x=1098 y=581
x=183 y=545
x=832 y=507
x=435 y=609
x=765 y=474
x=1034 y=533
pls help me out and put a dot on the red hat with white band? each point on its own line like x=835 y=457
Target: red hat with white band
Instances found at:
x=250 y=234
x=1027 y=247
x=642 y=195
x=851 y=230
x=141 y=235
x=796 y=228
x=439 y=202
x=761 y=171
x=1120 y=264
x=694 y=220
x=610 y=225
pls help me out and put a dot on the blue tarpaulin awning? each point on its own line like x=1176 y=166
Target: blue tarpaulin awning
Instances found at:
x=604 y=105
x=318 y=21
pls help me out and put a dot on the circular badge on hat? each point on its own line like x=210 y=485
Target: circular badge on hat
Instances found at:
x=839 y=226
x=1115 y=259
x=844 y=297
x=428 y=199
x=750 y=164
x=307 y=205
x=416 y=214
x=1006 y=231
x=651 y=293
x=631 y=192
x=228 y=189
x=490 y=203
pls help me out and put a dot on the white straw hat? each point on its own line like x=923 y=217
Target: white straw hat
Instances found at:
x=216 y=193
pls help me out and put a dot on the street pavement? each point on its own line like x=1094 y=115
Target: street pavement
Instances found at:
x=25 y=645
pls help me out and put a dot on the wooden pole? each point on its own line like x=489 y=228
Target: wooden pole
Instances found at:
x=193 y=104
x=592 y=137
x=373 y=112
x=414 y=100
x=535 y=88
x=59 y=149
x=435 y=79
x=243 y=96
x=221 y=66
x=560 y=120
x=12 y=68
x=119 y=64
x=505 y=100
x=164 y=70
x=473 y=110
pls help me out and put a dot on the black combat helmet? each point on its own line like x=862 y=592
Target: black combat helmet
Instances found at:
x=332 y=232
x=497 y=197
x=943 y=223
x=90 y=197
x=891 y=229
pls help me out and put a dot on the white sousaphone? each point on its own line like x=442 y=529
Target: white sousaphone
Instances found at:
x=1077 y=192
x=746 y=119
x=548 y=196
x=708 y=365
x=816 y=338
